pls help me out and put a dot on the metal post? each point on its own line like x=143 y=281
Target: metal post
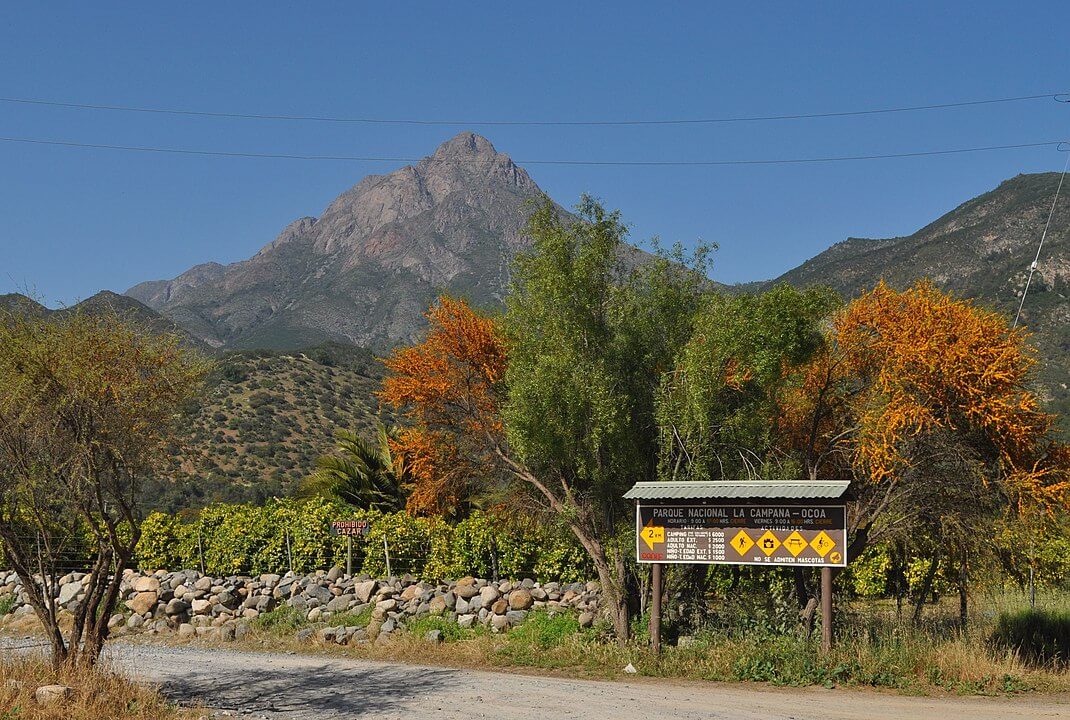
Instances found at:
x=655 y=607
x=386 y=552
x=289 y=552
x=826 y=609
x=349 y=555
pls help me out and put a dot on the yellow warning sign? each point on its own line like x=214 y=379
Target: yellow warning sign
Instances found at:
x=822 y=543
x=768 y=543
x=742 y=542
x=652 y=535
x=835 y=558
x=795 y=543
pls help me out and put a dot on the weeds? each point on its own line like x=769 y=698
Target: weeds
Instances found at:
x=8 y=603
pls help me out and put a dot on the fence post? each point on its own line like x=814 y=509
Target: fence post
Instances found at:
x=386 y=552
x=289 y=551
x=349 y=555
x=200 y=552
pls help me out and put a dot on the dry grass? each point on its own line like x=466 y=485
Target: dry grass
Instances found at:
x=98 y=695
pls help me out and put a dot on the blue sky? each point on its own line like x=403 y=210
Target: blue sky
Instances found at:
x=75 y=221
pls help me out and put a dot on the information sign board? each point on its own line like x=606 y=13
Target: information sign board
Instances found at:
x=349 y=527
x=743 y=534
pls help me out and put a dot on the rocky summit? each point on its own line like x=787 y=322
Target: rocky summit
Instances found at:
x=366 y=270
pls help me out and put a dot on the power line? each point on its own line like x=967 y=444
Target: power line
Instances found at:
x=615 y=163
x=539 y=123
x=1043 y=237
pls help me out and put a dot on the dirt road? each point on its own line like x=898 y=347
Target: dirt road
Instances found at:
x=300 y=687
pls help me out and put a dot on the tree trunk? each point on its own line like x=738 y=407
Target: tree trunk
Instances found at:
x=963 y=585
x=926 y=587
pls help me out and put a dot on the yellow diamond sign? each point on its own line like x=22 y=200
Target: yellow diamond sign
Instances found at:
x=795 y=543
x=742 y=542
x=822 y=543
x=768 y=543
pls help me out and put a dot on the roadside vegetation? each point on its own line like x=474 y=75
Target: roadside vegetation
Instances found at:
x=95 y=693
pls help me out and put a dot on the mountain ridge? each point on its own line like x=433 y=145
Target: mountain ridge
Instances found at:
x=365 y=270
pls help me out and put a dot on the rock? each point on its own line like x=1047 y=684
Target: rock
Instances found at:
x=586 y=619
x=314 y=614
x=437 y=606
x=466 y=588
x=304 y=635
x=388 y=626
x=630 y=669
x=226 y=633
x=410 y=592
x=539 y=594
x=51 y=695
x=499 y=623
x=340 y=603
x=515 y=617
x=318 y=592
x=204 y=584
x=200 y=607
x=147 y=584
x=135 y=622
x=116 y=620
x=433 y=636
x=488 y=595
x=384 y=606
x=593 y=586
x=142 y=603
x=685 y=641
x=242 y=630
x=500 y=606
x=186 y=631
x=69 y=592
x=334 y=573
x=520 y=599
x=363 y=591
x=461 y=606
x=466 y=621
x=176 y=607
x=269 y=581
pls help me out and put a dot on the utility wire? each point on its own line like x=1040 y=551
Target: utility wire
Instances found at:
x=584 y=123
x=1043 y=236
x=615 y=163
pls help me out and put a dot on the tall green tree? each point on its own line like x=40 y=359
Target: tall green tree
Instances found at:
x=88 y=405
x=718 y=408
x=591 y=325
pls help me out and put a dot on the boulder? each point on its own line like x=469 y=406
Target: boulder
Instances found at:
x=115 y=621
x=488 y=595
x=143 y=602
x=176 y=607
x=521 y=599
x=362 y=591
x=200 y=606
x=52 y=695
x=186 y=631
x=334 y=573
x=586 y=619
x=433 y=636
x=500 y=606
x=499 y=623
x=340 y=603
x=437 y=606
x=69 y=592
x=147 y=584
x=515 y=617
x=466 y=621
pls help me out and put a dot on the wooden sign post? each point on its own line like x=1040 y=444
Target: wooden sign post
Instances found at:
x=748 y=523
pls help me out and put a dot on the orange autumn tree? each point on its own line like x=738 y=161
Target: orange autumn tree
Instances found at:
x=447 y=388
x=923 y=399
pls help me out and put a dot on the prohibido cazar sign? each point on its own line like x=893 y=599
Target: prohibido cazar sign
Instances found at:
x=742 y=534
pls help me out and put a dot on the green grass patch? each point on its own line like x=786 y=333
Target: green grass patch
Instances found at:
x=359 y=620
x=282 y=619
x=1039 y=637
x=451 y=631
x=7 y=605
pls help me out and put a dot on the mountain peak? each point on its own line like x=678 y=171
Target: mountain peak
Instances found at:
x=466 y=145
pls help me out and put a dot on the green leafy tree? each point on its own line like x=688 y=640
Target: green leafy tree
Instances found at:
x=718 y=408
x=88 y=405
x=361 y=473
x=591 y=325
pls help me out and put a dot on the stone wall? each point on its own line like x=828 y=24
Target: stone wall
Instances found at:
x=225 y=608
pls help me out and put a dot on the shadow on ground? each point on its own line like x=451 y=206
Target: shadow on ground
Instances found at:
x=309 y=690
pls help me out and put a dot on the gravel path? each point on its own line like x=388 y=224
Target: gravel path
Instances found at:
x=299 y=687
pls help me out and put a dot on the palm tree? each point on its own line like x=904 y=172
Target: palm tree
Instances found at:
x=361 y=473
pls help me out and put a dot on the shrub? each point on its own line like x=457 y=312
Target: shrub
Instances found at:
x=1039 y=637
